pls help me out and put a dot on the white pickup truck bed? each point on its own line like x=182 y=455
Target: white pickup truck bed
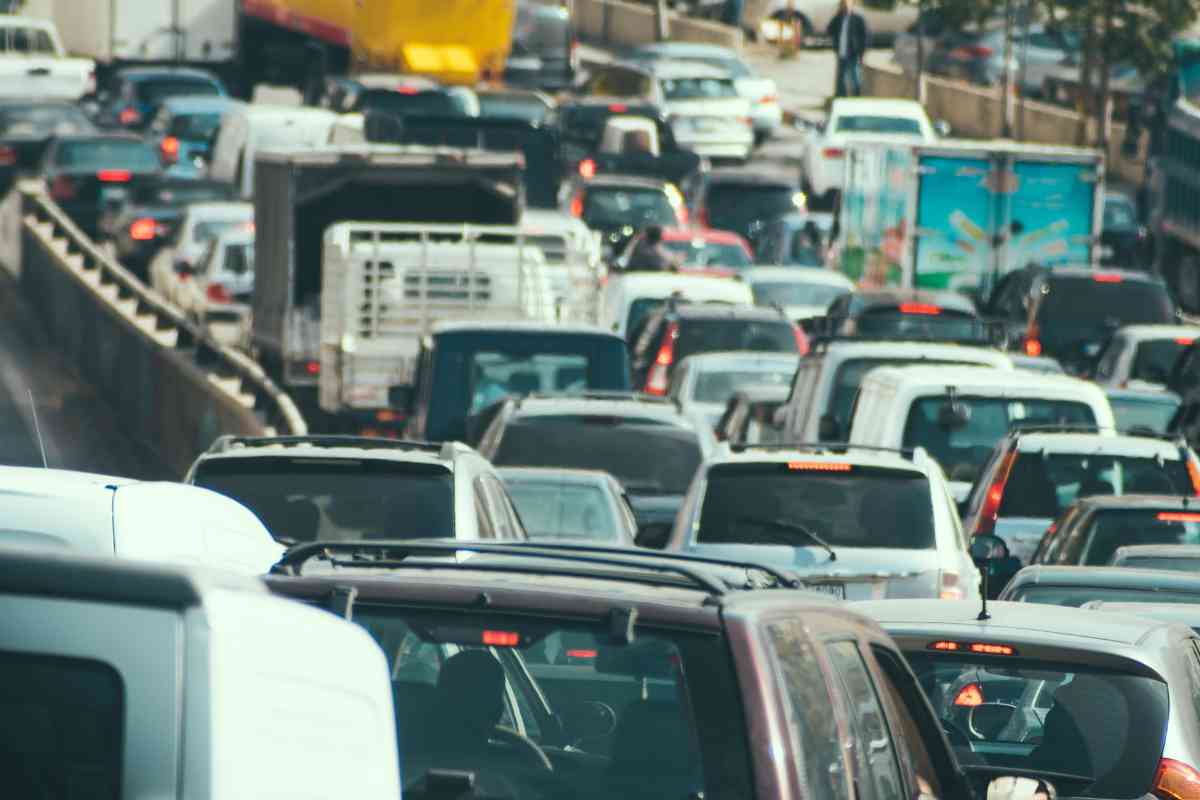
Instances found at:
x=33 y=63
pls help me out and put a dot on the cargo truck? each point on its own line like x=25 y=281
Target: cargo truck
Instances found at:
x=300 y=192
x=959 y=215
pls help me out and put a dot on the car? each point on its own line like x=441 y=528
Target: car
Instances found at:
x=749 y=416
x=395 y=95
x=618 y=206
x=340 y=93
x=183 y=131
x=613 y=669
x=811 y=18
x=958 y=414
x=761 y=92
x=1124 y=241
x=1043 y=364
x=855 y=523
x=466 y=368
x=571 y=505
x=516 y=104
x=131 y=96
x=1095 y=704
x=1093 y=529
x=678 y=329
x=146 y=218
x=796 y=239
x=977 y=55
x=1149 y=409
x=1182 y=613
x=120 y=675
x=721 y=253
x=1059 y=585
x=339 y=488
x=630 y=296
x=702 y=384
x=611 y=431
x=217 y=292
x=1143 y=354
x=905 y=314
x=742 y=200
x=1069 y=313
x=121 y=518
x=573 y=259
x=545 y=48
x=929 y=26
x=26 y=128
x=802 y=293
x=1183 y=557
x=827 y=380
x=189 y=241
x=858 y=119
x=35 y=62
x=1034 y=475
x=88 y=173
x=246 y=129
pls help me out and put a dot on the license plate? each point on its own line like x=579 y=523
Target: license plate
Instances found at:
x=837 y=590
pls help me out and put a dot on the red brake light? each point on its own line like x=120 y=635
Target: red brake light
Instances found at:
x=62 y=188
x=927 y=309
x=1176 y=781
x=587 y=168
x=1107 y=277
x=501 y=638
x=218 y=293
x=143 y=230
x=407 y=89
x=945 y=646
x=1033 y=347
x=1178 y=516
x=833 y=152
x=312 y=367
x=114 y=175
x=656 y=381
x=387 y=415
x=995 y=493
x=819 y=466
x=801 y=339
x=1194 y=473
x=129 y=116
x=992 y=649
x=967 y=52
x=1182 y=340
x=577 y=206
x=169 y=147
x=581 y=654
x=969 y=695
x=8 y=156
x=618 y=108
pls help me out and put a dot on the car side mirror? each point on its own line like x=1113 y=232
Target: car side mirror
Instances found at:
x=942 y=128
x=653 y=535
x=988 y=720
x=987 y=547
x=828 y=428
x=1013 y=787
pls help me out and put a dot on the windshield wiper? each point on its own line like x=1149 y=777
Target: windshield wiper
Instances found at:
x=795 y=527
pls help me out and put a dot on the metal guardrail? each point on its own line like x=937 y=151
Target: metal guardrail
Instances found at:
x=174 y=388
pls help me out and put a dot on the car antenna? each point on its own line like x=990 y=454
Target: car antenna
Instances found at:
x=37 y=429
x=983 y=612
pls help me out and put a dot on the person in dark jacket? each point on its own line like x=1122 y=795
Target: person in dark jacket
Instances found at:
x=649 y=253
x=848 y=32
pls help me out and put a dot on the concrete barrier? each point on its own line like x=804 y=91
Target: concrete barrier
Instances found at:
x=975 y=112
x=624 y=24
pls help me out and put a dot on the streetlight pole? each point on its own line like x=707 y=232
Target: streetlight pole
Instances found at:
x=921 y=52
x=1006 y=127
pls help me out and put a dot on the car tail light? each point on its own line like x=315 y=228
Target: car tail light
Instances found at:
x=1176 y=780
x=927 y=309
x=1194 y=473
x=1183 y=341
x=218 y=293
x=768 y=98
x=819 y=466
x=989 y=649
x=8 y=156
x=801 y=339
x=702 y=218
x=969 y=695
x=312 y=367
x=995 y=493
x=948 y=647
x=501 y=638
x=63 y=188
x=970 y=51
x=657 y=380
x=587 y=168
x=1177 y=516
x=1033 y=345
x=129 y=116
x=169 y=149
x=618 y=108
x=949 y=587
x=143 y=230
x=577 y=206
x=833 y=152
x=404 y=89
x=579 y=653
x=1107 y=277
x=114 y=175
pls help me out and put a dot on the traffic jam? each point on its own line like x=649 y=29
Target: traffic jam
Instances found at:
x=637 y=461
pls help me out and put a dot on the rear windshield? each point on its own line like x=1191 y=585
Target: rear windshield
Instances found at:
x=45 y=120
x=698 y=88
x=607 y=444
x=758 y=504
x=432 y=101
x=795 y=293
x=899 y=324
x=569 y=511
x=1153 y=359
x=1076 y=596
x=620 y=207
x=728 y=203
x=195 y=127
x=496 y=375
x=1091 y=302
x=699 y=253
x=1105 y=727
x=718 y=385
x=1175 y=563
x=849 y=378
x=716 y=335
x=337 y=499
x=962 y=446
x=501 y=106
x=1143 y=412
x=107 y=154
x=154 y=91
x=1044 y=484
x=181 y=193
x=872 y=124
x=1109 y=530
x=238 y=259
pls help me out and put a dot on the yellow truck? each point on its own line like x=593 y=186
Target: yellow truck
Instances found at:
x=457 y=42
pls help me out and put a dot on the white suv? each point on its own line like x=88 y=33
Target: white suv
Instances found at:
x=857 y=523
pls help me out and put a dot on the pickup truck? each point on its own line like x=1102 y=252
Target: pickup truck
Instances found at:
x=33 y=62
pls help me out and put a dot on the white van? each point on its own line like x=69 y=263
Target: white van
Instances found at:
x=142 y=521
x=629 y=296
x=132 y=681
x=959 y=414
x=247 y=129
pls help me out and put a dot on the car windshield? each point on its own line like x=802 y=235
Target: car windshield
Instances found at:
x=795 y=293
x=863 y=123
x=1174 y=563
x=961 y=431
x=698 y=88
x=1105 y=726
x=620 y=207
x=917 y=321
x=1119 y=215
x=1154 y=358
x=1153 y=413
x=459 y=703
x=699 y=253
x=849 y=378
x=1110 y=529
x=727 y=335
x=337 y=499
x=840 y=504
x=1076 y=595
x=97 y=154
x=1043 y=484
x=43 y=121
x=563 y=510
x=20 y=40
x=730 y=205
x=497 y=375
x=1087 y=301
x=606 y=443
x=718 y=385
x=154 y=91
x=197 y=127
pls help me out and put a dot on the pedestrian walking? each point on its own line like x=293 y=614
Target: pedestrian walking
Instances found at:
x=848 y=32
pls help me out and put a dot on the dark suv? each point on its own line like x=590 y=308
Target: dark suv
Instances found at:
x=533 y=671
x=679 y=329
x=740 y=199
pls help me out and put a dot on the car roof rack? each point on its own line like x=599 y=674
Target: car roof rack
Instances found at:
x=823 y=447
x=670 y=569
x=226 y=443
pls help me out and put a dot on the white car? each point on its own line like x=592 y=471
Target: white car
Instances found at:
x=201 y=223
x=575 y=267
x=33 y=62
x=706 y=113
x=813 y=16
x=802 y=292
x=1143 y=354
x=247 y=129
x=859 y=119
x=702 y=384
x=217 y=293
x=630 y=296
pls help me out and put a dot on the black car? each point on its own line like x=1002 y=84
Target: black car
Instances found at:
x=679 y=329
x=26 y=128
x=87 y=173
x=1090 y=531
x=145 y=221
x=742 y=199
x=1070 y=313
x=132 y=95
x=544 y=52
x=905 y=314
x=618 y=206
x=1124 y=242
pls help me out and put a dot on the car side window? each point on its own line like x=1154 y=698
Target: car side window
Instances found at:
x=483 y=513
x=809 y=712
x=1194 y=673
x=906 y=705
x=1107 y=364
x=873 y=748
x=503 y=522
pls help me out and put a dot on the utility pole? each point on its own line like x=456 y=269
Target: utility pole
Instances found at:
x=662 y=20
x=920 y=51
x=1006 y=105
